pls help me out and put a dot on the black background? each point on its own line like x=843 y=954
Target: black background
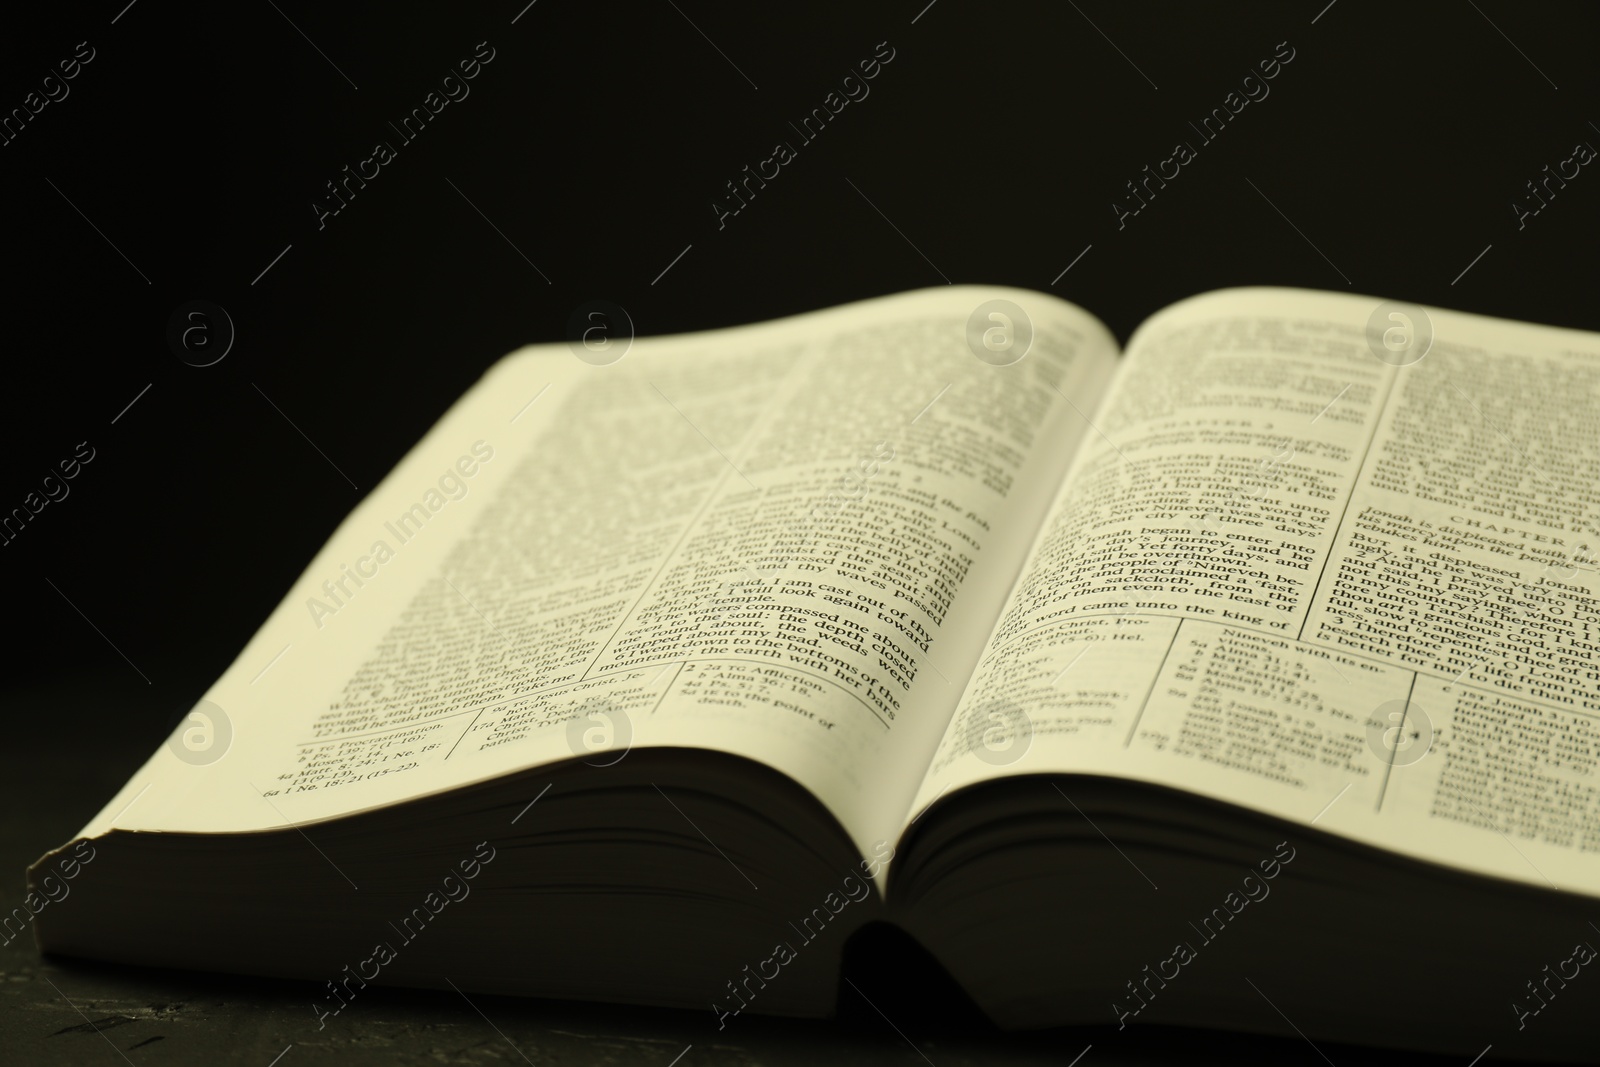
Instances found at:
x=989 y=151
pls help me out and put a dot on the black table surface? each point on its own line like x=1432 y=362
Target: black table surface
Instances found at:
x=56 y=774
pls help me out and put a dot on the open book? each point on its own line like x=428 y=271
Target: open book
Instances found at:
x=1247 y=681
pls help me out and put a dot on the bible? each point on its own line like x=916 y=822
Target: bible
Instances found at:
x=1244 y=678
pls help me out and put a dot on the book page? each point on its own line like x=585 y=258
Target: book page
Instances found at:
x=1335 y=573
x=785 y=541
